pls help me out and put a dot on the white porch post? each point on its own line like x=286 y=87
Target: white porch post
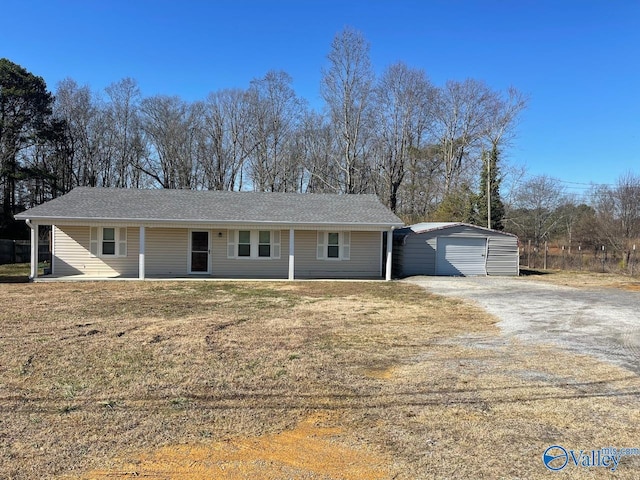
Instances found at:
x=291 y=254
x=141 y=253
x=34 y=250
x=389 y=254
x=52 y=245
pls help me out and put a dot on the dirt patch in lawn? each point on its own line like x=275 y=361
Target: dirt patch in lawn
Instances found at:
x=311 y=450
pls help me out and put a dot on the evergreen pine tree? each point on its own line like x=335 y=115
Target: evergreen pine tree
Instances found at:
x=491 y=173
x=457 y=206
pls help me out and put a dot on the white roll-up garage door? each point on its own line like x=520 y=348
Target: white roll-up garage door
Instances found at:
x=461 y=256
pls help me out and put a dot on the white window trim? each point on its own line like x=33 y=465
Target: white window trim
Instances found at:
x=344 y=246
x=96 y=239
x=275 y=246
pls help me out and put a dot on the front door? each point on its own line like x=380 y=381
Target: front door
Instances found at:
x=199 y=259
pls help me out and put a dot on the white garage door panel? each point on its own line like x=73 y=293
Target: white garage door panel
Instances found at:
x=461 y=256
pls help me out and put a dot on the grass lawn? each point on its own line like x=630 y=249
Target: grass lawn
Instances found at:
x=289 y=380
x=17 y=272
x=581 y=279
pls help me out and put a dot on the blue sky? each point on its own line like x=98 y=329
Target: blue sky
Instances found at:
x=578 y=61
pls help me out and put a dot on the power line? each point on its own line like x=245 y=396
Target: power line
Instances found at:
x=592 y=184
x=584 y=189
x=578 y=185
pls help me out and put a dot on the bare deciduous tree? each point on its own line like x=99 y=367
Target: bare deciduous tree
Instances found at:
x=170 y=125
x=403 y=99
x=78 y=107
x=502 y=117
x=123 y=124
x=275 y=112
x=618 y=212
x=321 y=171
x=225 y=143
x=421 y=191
x=535 y=214
x=347 y=86
x=462 y=112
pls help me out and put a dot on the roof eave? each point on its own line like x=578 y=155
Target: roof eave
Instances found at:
x=53 y=219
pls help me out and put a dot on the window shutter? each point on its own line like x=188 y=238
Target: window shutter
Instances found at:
x=93 y=241
x=231 y=243
x=122 y=242
x=346 y=246
x=321 y=252
x=275 y=244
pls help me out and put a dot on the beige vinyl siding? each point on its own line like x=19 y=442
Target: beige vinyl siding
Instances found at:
x=222 y=266
x=167 y=255
x=364 y=262
x=166 y=252
x=72 y=256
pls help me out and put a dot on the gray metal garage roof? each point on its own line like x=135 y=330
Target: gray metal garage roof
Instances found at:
x=433 y=226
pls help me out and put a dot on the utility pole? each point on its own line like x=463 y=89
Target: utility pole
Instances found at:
x=488 y=160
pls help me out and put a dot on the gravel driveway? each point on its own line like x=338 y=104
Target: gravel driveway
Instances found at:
x=603 y=322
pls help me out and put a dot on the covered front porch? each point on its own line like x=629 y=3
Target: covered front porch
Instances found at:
x=211 y=252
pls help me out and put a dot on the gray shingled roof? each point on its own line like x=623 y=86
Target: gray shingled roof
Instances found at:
x=121 y=204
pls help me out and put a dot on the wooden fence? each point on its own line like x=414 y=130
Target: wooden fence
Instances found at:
x=560 y=257
x=19 y=251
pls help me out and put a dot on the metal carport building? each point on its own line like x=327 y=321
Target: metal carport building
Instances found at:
x=454 y=249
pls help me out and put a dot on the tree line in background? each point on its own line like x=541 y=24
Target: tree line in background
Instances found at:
x=396 y=135
x=600 y=228
x=429 y=152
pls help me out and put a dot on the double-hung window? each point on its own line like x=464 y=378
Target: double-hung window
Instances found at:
x=244 y=243
x=263 y=244
x=333 y=246
x=108 y=241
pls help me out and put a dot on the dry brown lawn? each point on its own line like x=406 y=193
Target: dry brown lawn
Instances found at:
x=586 y=279
x=317 y=380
